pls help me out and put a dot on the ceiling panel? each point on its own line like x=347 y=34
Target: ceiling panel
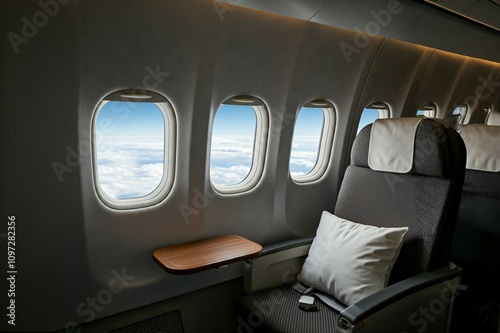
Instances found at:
x=435 y=23
x=302 y=9
x=485 y=12
x=369 y=16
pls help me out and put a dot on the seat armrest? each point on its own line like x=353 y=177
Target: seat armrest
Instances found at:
x=392 y=294
x=286 y=245
x=277 y=264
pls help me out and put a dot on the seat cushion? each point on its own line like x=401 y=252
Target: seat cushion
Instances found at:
x=277 y=310
x=351 y=261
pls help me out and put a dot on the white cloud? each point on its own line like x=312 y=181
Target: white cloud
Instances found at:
x=130 y=169
x=229 y=175
x=133 y=169
x=304 y=155
x=230 y=159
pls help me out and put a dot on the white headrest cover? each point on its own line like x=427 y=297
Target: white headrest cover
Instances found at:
x=494 y=118
x=482 y=143
x=392 y=143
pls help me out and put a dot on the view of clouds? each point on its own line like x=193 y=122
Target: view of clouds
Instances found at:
x=130 y=149
x=231 y=159
x=306 y=140
x=304 y=154
x=130 y=169
x=130 y=157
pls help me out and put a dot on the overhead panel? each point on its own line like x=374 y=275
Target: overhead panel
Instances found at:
x=494 y=53
x=376 y=17
x=451 y=35
x=485 y=12
x=455 y=5
x=301 y=9
x=440 y=24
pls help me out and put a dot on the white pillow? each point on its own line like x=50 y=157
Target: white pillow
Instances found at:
x=350 y=260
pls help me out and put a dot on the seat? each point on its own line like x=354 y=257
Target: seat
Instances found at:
x=476 y=244
x=423 y=196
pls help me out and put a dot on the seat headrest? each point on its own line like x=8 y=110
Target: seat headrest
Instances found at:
x=427 y=138
x=392 y=144
x=493 y=119
x=482 y=144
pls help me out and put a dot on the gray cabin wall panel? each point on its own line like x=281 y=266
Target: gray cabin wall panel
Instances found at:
x=394 y=76
x=329 y=71
x=479 y=88
x=441 y=82
x=40 y=164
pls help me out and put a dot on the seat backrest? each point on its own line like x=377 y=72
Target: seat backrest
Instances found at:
x=425 y=198
x=476 y=245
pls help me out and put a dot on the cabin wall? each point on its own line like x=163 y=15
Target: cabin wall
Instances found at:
x=480 y=88
x=440 y=85
x=71 y=246
x=39 y=120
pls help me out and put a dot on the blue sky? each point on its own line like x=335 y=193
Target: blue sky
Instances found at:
x=130 y=145
x=367 y=117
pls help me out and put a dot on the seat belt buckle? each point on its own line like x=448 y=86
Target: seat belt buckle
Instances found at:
x=306 y=303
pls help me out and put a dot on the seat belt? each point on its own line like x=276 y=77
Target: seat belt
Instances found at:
x=327 y=299
x=330 y=301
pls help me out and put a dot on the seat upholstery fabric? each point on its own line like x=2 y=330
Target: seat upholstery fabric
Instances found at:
x=421 y=199
x=476 y=248
x=278 y=311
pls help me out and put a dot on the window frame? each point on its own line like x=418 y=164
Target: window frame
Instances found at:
x=429 y=110
x=384 y=112
x=461 y=119
x=488 y=109
x=169 y=149
x=325 y=142
x=259 y=146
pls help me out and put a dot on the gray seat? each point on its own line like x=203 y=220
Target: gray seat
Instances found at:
x=426 y=200
x=476 y=245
